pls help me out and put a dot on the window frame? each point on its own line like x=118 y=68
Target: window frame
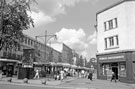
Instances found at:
x=111 y=42
x=111 y=24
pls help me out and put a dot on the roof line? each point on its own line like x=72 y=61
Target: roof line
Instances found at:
x=113 y=5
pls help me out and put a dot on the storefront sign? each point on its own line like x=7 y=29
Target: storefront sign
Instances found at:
x=27 y=66
x=28 y=57
x=112 y=57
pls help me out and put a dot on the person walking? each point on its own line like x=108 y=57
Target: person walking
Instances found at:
x=113 y=76
x=37 y=74
x=9 y=72
x=62 y=75
x=1 y=74
x=82 y=74
x=90 y=76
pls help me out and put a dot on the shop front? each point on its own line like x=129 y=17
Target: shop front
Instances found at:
x=8 y=64
x=121 y=63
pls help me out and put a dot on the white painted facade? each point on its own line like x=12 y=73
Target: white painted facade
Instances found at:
x=125 y=14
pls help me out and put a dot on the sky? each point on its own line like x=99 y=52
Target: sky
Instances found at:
x=71 y=20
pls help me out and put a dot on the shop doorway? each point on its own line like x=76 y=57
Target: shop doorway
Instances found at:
x=115 y=70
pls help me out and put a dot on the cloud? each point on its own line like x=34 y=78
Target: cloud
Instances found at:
x=39 y=18
x=45 y=11
x=94 y=2
x=92 y=38
x=75 y=39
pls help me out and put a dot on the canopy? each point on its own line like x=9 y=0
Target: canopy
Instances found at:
x=9 y=60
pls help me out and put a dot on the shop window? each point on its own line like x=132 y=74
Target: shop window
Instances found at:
x=102 y=69
x=134 y=69
x=108 y=70
x=123 y=70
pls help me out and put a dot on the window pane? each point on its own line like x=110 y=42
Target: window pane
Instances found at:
x=116 y=22
x=117 y=41
x=111 y=41
x=105 y=42
x=110 y=24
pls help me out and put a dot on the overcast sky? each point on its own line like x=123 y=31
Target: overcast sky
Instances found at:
x=72 y=20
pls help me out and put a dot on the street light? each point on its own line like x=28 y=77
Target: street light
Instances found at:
x=47 y=38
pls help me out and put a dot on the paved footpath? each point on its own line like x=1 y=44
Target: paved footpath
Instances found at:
x=33 y=81
x=72 y=83
x=84 y=83
x=36 y=82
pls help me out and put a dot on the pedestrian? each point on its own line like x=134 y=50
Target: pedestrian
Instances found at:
x=9 y=73
x=90 y=76
x=82 y=73
x=1 y=74
x=113 y=76
x=37 y=74
x=62 y=75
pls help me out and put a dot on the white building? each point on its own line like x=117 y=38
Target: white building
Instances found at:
x=115 y=41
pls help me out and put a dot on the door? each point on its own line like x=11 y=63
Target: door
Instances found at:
x=115 y=70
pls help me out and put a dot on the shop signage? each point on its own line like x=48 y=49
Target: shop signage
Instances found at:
x=28 y=57
x=111 y=57
x=27 y=66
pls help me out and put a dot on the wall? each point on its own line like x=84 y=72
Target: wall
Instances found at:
x=125 y=14
x=67 y=54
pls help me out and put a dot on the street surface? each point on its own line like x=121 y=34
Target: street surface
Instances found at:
x=97 y=84
x=10 y=86
x=79 y=83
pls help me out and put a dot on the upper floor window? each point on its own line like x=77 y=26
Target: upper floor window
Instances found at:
x=111 y=24
x=111 y=42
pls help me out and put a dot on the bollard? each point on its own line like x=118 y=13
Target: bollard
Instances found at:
x=43 y=81
x=9 y=79
x=25 y=80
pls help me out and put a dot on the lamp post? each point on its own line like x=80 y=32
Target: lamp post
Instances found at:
x=47 y=38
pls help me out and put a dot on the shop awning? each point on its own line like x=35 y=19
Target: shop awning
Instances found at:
x=50 y=64
x=9 y=60
x=73 y=66
x=37 y=63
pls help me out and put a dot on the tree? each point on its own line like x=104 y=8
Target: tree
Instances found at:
x=13 y=20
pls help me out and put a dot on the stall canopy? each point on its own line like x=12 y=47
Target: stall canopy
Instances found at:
x=9 y=60
x=64 y=64
x=74 y=66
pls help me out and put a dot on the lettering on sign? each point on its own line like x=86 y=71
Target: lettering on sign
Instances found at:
x=113 y=57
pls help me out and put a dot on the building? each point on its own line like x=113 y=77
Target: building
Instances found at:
x=56 y=56
x=66 y=52
x=9 y=58
x=115 y=41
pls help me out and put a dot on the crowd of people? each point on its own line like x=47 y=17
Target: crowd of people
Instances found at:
x=62 y=74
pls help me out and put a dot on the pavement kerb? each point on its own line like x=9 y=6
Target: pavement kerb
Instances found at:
x=32 y=82
x=41 y=85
